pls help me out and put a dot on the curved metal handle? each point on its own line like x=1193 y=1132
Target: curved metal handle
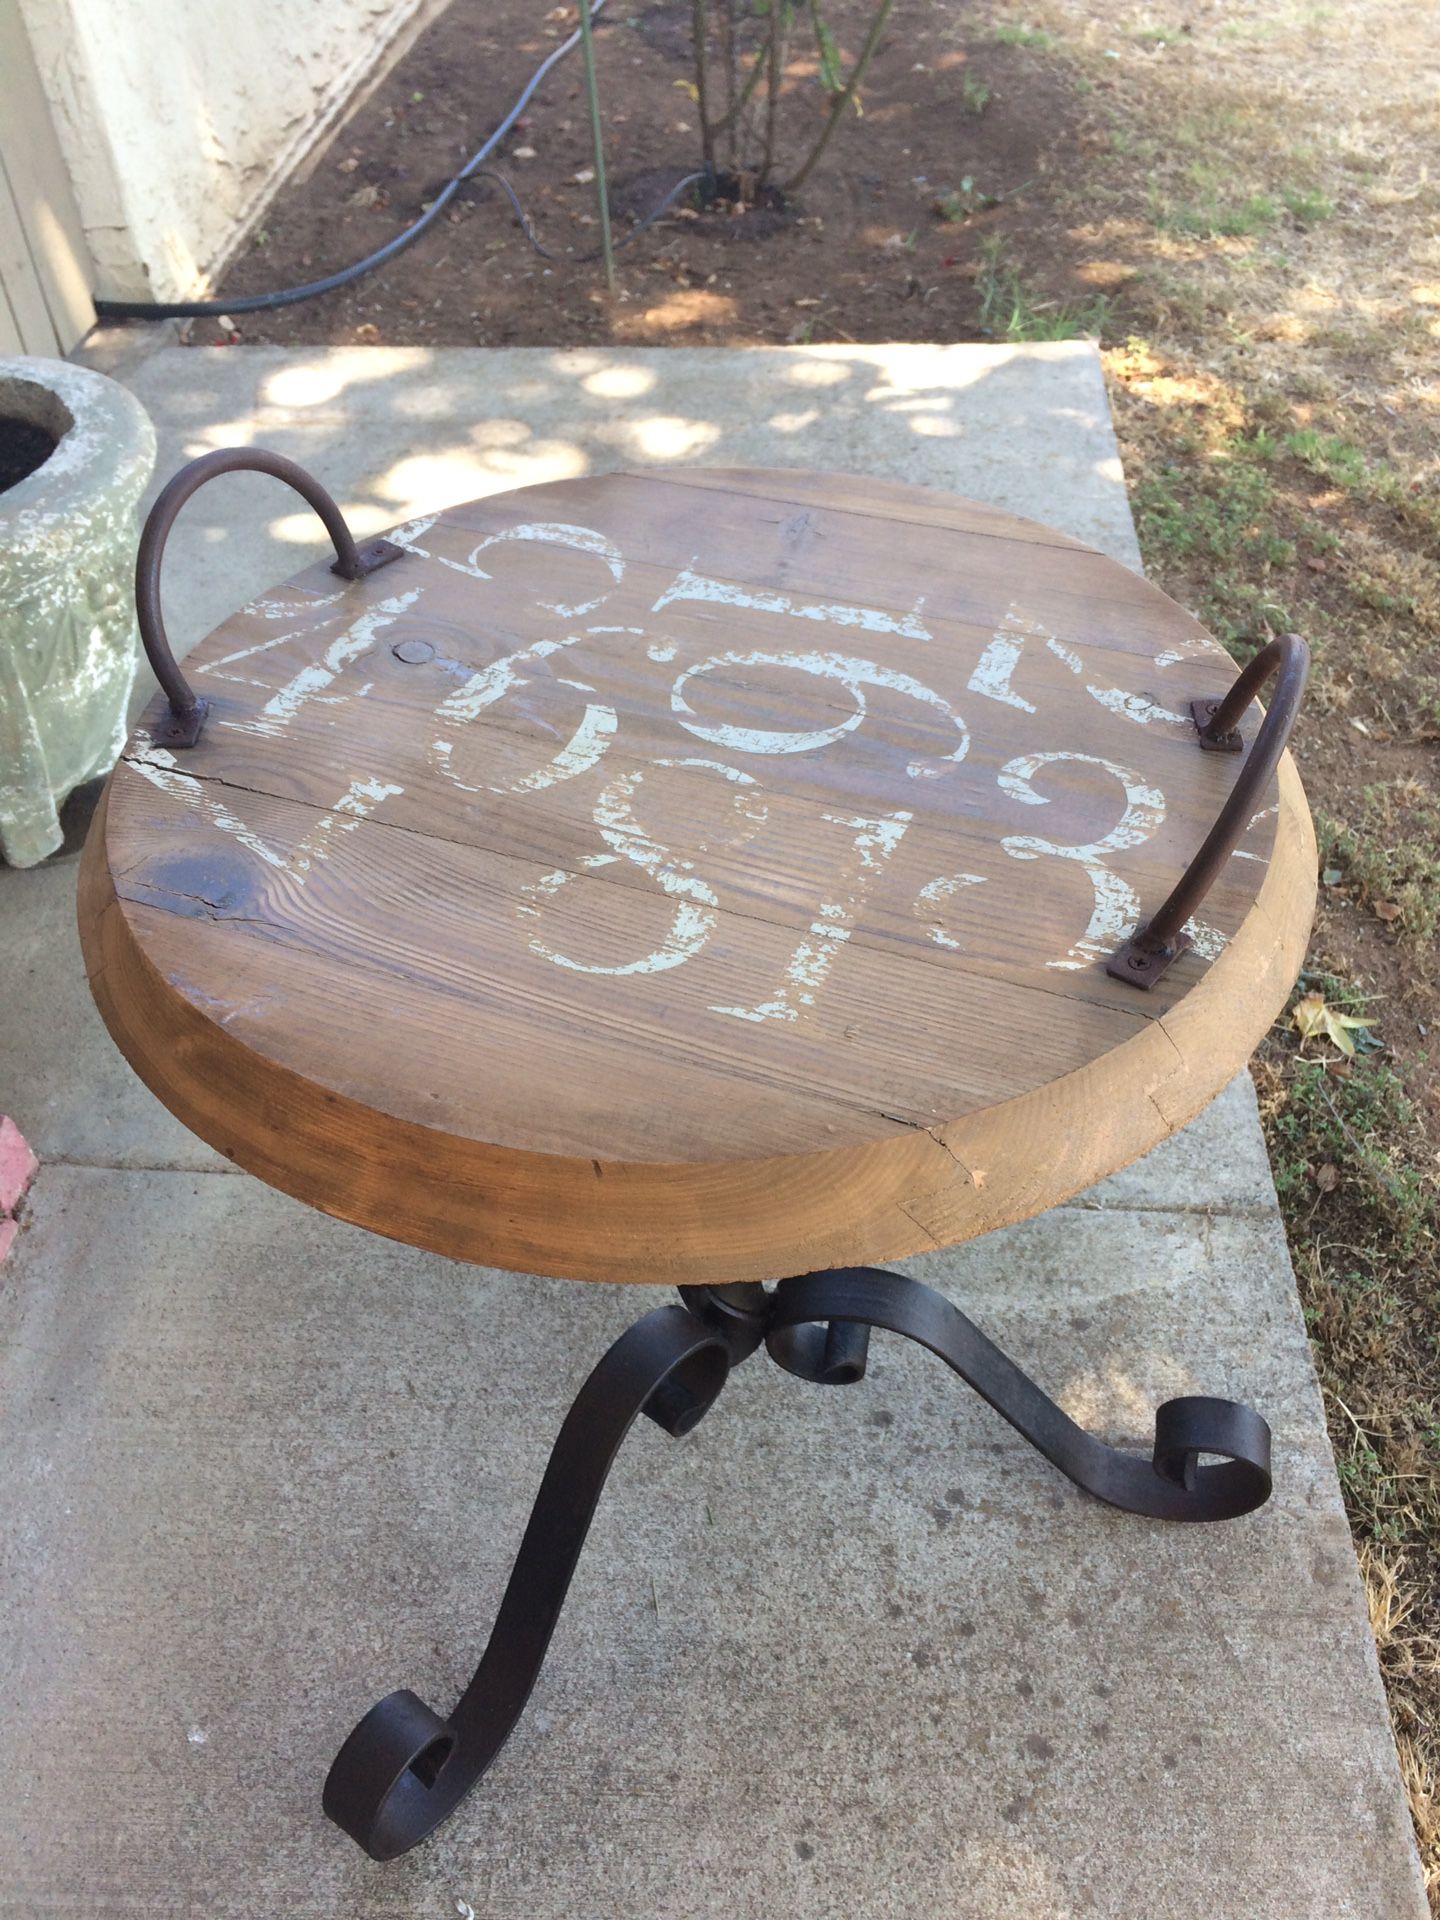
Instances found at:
x=1154 y=944
x=187 y=711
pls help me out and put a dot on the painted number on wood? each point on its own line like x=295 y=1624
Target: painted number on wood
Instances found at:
x=707 y=701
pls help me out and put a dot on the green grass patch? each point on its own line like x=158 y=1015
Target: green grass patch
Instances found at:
x=1216 y=518
x=1131 y=145
x=1379 y=597
x=1212 y=218
x=1218 y=509
x=1330 y=457
x=1255 y=27
x=1357 y=1118
x=1015 y=34
x=975 y=94
x=1307 y=205
x=1011 y=311
x=1360 y=1206
x=1390 y=855
x=1259 y=445
x=1242 y=614
x=963 y=202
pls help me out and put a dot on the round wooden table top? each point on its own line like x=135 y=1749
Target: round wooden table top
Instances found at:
x=691 y=876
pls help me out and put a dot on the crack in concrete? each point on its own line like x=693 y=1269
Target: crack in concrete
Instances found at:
x=132 y=1166
x=1253 y=1210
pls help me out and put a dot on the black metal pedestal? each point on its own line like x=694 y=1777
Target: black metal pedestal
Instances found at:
x=404 y=1768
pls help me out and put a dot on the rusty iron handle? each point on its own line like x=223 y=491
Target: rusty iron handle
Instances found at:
x=183 y=724
x=1150 y=949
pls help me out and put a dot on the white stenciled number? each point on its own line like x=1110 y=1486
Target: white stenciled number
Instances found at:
x=484 y=688
x=315 y=682
x=934 y=899
x=357 y=803
x=1117 y=907
x=550 y=533
x=809 y=966
x=852 y=674
x=999 y=661
x=695 y=918
x=1139 y=707
x=997 y=664
x=693 y=586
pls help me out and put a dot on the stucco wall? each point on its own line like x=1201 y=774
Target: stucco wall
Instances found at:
x=177 y=119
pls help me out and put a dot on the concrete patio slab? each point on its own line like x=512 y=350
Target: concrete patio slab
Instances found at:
x=834 y=1654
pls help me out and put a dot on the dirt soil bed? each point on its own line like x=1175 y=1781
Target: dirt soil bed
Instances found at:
x=873 y=248
x=1240 y=202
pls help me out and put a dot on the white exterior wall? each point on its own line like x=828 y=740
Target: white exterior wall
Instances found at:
x=177 y=118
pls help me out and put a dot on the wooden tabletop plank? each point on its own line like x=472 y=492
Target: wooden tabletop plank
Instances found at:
x=867 y=494
x=816 y=561
x=417 y=913
x=944 y=897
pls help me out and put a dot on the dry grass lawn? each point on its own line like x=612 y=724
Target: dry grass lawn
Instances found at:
x=1251 y=192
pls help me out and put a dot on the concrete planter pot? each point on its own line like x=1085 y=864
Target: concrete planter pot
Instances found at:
x=68 y=641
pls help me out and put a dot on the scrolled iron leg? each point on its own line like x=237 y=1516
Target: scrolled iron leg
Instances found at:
x=404 y=1769
x=1173 y=1484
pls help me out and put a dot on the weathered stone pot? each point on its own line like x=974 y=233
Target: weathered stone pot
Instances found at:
x=68 y=642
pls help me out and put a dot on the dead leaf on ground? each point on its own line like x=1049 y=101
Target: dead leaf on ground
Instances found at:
x=1315 y=1019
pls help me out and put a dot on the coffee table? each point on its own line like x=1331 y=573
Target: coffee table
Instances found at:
x=724 y=879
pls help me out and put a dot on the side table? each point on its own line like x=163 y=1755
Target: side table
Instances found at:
x=723 y=879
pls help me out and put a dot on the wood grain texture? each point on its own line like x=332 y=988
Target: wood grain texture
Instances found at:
x=690 y=877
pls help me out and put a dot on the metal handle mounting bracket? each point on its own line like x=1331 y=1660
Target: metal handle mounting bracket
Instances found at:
x=181 y=727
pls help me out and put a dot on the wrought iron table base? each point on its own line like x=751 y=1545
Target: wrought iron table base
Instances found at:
x=404 y=1769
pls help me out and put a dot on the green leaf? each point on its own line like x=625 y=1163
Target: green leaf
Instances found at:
x=832 y=74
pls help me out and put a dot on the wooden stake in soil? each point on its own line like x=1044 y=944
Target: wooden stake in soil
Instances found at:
x=702 y=87
x=777 y=43
x=602 y=196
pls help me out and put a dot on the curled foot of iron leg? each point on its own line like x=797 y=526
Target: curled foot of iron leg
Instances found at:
x=404 y=1768
x=1211 y=1459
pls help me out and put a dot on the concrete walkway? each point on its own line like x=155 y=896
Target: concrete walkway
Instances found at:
x=835 y=1654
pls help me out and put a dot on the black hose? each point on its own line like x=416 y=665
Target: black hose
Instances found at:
x=288 y=296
